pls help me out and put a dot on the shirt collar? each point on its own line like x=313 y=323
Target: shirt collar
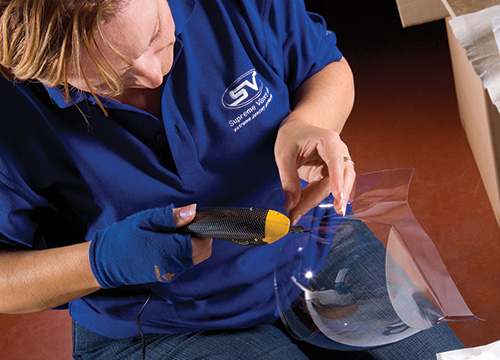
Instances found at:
x=77 y=96
x=181 y=12
x=59 y=97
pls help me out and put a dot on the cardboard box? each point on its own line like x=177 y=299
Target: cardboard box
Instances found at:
x=480 y=119
x=413 y=12
x=479 y=116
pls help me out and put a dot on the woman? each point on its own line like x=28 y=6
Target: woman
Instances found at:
x=121 y=109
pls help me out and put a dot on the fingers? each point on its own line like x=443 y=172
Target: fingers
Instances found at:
x=311 y=196
x=339 y=181
x=317 y=191
x=184 y=215
x=342 y=176
x=287 y=167
x=349 y=178
x=349 y=175
x=340 y=170
x=332 y=151
x=202 y=248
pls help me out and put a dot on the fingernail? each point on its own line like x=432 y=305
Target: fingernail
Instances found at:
x=343 y=210
x=296 y=220
x=187 y=211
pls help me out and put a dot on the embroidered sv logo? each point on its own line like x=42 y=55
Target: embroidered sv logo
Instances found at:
x=161 y=278
x=243 y=90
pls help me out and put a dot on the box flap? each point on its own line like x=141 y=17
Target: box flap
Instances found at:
x=462 y=7
x=415 y=12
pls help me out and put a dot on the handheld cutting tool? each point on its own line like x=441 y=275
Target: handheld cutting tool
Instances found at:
x=244 y=226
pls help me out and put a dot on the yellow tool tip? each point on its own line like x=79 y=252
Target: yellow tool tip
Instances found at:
x=277 y=226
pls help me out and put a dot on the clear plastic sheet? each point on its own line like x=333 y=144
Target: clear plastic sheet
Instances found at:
x=367 y=279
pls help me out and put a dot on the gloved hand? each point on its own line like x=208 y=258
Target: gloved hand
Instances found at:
x=143 y=248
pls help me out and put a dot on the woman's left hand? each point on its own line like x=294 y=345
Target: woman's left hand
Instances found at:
x=317 y=155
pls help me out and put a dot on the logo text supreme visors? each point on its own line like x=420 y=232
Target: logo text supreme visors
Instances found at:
x=243 y=90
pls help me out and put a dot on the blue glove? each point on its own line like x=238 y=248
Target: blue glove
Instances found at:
x=140 y=249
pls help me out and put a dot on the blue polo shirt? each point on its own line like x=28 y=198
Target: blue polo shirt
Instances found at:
x=237 y=64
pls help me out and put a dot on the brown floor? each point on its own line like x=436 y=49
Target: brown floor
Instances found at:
x=405 y=116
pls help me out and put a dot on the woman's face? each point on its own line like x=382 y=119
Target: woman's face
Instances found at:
x=144 y=32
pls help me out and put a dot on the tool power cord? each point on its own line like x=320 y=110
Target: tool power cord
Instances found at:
x=143 y=339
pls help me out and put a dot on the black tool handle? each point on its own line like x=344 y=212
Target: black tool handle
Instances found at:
x=245 y=226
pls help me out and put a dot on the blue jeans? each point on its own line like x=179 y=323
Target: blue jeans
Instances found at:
x=265 y=342
x=357 y=249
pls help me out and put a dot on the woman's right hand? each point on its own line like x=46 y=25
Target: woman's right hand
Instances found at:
x=124 y=253
x=145 y=248
x=202 y=248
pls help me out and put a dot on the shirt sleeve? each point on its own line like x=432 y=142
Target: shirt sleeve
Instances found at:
x=21 y=207
x=298 y=43
x=19 y=222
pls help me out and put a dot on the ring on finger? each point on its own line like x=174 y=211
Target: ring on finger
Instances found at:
x=348 y=159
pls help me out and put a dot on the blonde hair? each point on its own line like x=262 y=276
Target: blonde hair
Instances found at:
x=44 y=39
